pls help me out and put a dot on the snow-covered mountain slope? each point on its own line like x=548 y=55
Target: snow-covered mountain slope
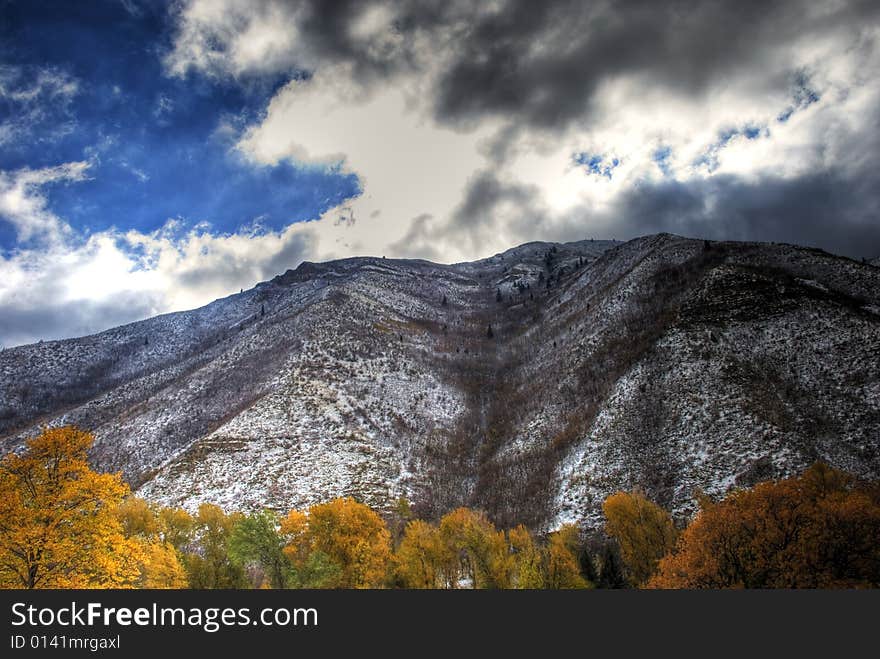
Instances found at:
x=530 y=384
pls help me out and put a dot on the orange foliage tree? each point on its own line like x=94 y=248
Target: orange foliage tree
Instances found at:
x=57 y=523
x=819 y=530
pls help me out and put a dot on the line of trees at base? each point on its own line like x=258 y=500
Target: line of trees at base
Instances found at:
x=62 y=525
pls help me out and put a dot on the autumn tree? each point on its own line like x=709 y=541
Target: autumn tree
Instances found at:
x=818 y=530
x=178 y=527
x=161 y=566
x=349 y=534
x=401 y=514
x=57 y=523
x=208 y=564
x=423 y=560
x=310 y=567
x=137 y=517
x=157 y=559
x=255 y=542
x=482 y=550
x=643 y=530
x=528 y=568
x=563 y=567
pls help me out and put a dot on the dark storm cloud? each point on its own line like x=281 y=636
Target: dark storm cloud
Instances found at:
x=328 y=28
x=486 y=200
x=20 y=324
x=821 y=210
x=485 y=192
x=836 y=212
x=295 y=249
x=541 y=63
x=419 y=242
x=539 y=68
x=490 y=207
x=836 y=208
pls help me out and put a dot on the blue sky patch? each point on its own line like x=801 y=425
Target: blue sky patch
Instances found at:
x=751 y=132
x=84 y=82
x=661 y=157
x=596 y=164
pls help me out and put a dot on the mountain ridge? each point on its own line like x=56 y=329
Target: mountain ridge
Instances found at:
x=531 y=383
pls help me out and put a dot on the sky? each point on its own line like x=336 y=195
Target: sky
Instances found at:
x=155 y=156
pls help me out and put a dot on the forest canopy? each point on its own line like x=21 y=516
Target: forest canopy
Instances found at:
x=64 y=525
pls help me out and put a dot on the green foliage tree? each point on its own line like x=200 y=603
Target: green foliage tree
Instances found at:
x=255 y=541
x=209 y=564
x=611 y=569
x=587 y=566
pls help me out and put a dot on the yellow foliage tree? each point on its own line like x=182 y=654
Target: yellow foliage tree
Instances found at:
x=482 y=550
x=178 y=527
x=422 y=559
x=138 y=518
x=295 y=529
x=57 y=523
x=146 y=533
x=528 y=572
x=644 y=531
x=347 y=534
x=819 y=530
x=563 y=570
x=160 y=565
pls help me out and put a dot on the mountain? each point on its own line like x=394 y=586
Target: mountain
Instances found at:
x=530 y=384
